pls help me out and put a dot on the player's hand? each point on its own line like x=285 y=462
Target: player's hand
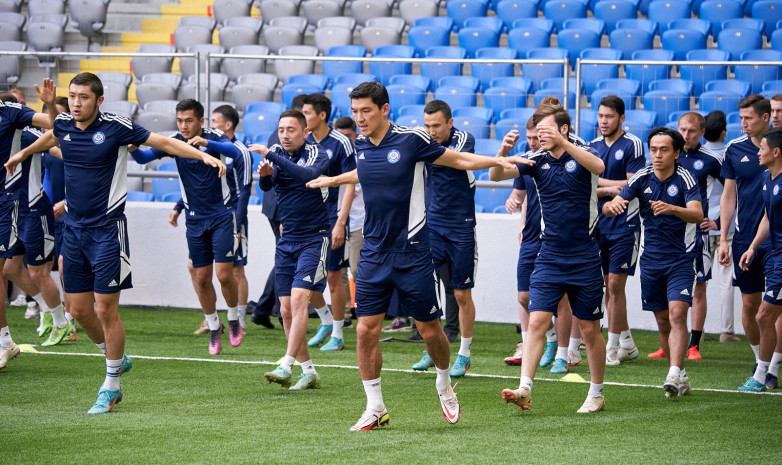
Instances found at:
x=609 y=191
x=258 y=148
x=265 y=169
x=59 y=209
x=617 y=206
x=173 y=215
x=12 y=163
x=337 y=236
x=508 y=142
x=549 y=135
x=214 y=163
x=723 y=254
x=199 y=141
x=512 y=205
x=132 y=148
x=323 y=181
x=510 y=162
x=659 y=207
x=48 y=93
x=746 y=259
x=708 y=225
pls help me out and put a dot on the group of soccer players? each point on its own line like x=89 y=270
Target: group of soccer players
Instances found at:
x=584 y=206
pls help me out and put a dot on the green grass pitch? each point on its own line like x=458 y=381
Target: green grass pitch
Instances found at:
x=197 y=411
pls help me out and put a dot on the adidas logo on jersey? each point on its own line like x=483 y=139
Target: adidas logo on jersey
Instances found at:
x=467 y=281
x=545 y=167
x=597 y=310
x=685 y=292
x=113 y=283
x=229 y=254
x=433 y=310
x=307 y=279
x=39 y=258
x=746 y=158
x=648 y=190
x=624 y=266
x=67 y=137
x=361 y=157
x=2 y=247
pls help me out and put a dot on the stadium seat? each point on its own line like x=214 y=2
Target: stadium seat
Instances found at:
x=491 y=199
x=187 y=65
x=11 y=25
x=89 y=17
x=718 y=11
x=244 y=94
x=236 y=67
x=355 y=79
x=246 y=22
x=424 y=37
x=462 y=81
x=663 y=102
x=628 y=41
x=776 y=40
x=737 y=41
x=694 y=24
x=285 y=68
x=456 y=96
x=511 y=10
x=612 y=11
x=474 y=38
x=758 y=75
x=277 y=37
x=400 y=96
x=171 y=197
x=769 y=11
x=576 y=40
x=723 y=100
x=45 y=7
x=515 y=82
x=115 y=85
x=648 y=73
x=234 y=36
x=168 y=188
x=410 y=110
x=681 y=41
x=139 y=196
x=559 y=83
x=120 y=107
x=745 y=23
x=665 y=11
x=393 y=22
x=678 y=85
x=596 y=25
x=460 y=10
x=499 y=99
x=772 y=87
x=486 y=22
x=327 y=37
x=10 y=6
x=483 y=113
x=488 y=71
x=384 y=70
x=475 y=125
x=186 y=36
x=225 y=9
x=412 y=10
x=629 y=86
x=373 y=37
x=561 y=10
x=645 y=117
x=587 y=123
x=160 y=123
x=152 y=64
x=733 y=117
x=732 y=85
x=416 y=80
x=315 y=10
x=254 y=200
x=698 y=74
x=274 y=108
x=340 y=99
x=439 y=21
x=154 y=91
x=256 y=122
x=592 y=74
x=538 y=72
x=291 y=90
x=599 y=94
x=435 y=71
x=676 y=115
x=332 y=69
x=46 y=33
x=341 y=21
x=217 y=85
x=479 y=208
x=524 y=39
x=271 y=9
x=312 y=80
x=488 y=147
x=639 y=23
x=537 y=23
x=558 y=93
x=518 y=114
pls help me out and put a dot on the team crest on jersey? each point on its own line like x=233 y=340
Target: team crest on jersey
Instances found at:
x=330 y=153
x=570 y=166
x=98 y=138
x=698 y=165
x=619 y=154
x=776 y=189
x=203 y=148
x=300 y=162
x=673 y=190
x=393 y=156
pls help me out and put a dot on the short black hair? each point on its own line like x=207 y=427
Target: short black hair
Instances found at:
x=758 y=103
x=8 y=97
x=191 y=104
x=715 y=125
x=773 y=138
x=229 y=114
x=298 y=102
x=438 y=106
x=613 y=102
x=345 y=122
x=320 y=103
x=676 y=138
x=294 y=114
x=89 y=79
x=61 y=101
x=372 y=90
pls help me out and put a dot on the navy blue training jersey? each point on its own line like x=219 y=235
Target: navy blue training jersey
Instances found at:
x=342 y=159
x=31 y=183
x=567 y=195
x=96 y=166
x=239 y=175
x=392 y=178
x=741 y=164
x=14 y=117
x=772 y=202
x=625 y=155
x=450 y=193
x=705 y=166
x=302 y=210
x=666 y=237
x=54 y=169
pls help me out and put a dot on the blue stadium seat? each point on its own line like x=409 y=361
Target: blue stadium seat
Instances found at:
x=628 y=41
x=504 y=126
x=171 y=197
x=399 y=96
x=737 y=41
x=524 y=39
x=698 y=74
x=639 y=23
x=500 y=209
x=163 y=186
x=592 y=74
x=734 y=130
x=424 y=37
x=518 y=114
x=587 y=124
x=515 y=82
x=488 y=71
x=166 y=166
x=479 y=112
x=435 y=71
x=538 y=23
x=333 y=68
x=681 y=41
x=499 y=99
x=674 y=117
x=700 y=25
x=538 y=72
x=772 y=86
x=486 y=22
x=644 y=117
x=262 y=138
x=745 y=23
x=462 y=81
x=511 y=10
x=678 y=85
x=575 y=40
x=410 y=110
x=488 y=147
x=254 y=200
x=422 y=82
x=410 y=120
x=723 y=100
x=456 y=96
x=561 y=10
x=599 y=94
x=474 y=38
x=340 y=99
x=439 y=21
x=289 y=91
x=354 y=79
x=758 y=75
x=384 y=71
x=648 y=73
x=460 y=10
x=259 y=122
x=733 y=85
x=479 y=208
x=718 y=11
x=592 y=24
x=475 y=125
x=592 y=4
x=313 y=80
x=629 y=86
x=612 y=11
x=665 y=11
x=664 y=102
x=748 y=4
x=139 y=196
x=274 y=108
x=776 y=40
x=734 y=117
x=559 y=83
x=770 y=11
x=491 y=198
x=558 y=93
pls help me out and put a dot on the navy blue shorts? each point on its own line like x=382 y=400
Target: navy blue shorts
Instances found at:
x=301 y=264
x=37 y=233
x=753 y=280
x=703 y=256
x=242 y=250
x=58 y=232
x=456 y=248
x=410 y=272
x=96 y=258
x=773 y=293
x=661 y=284
x=9 y=228
x=580 y=278
x=339 y=258
x=528 y=252
x=212 y=240
x=619 y=252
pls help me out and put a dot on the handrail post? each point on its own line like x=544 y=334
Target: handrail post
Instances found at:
x=566 y=85
x=208 y=84
x=197 y=72
x=578 y=96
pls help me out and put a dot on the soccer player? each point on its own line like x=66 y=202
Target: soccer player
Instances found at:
x=95 y=242
x=776 y=111
x=565 y=176
x=742 y=195
x=300 y=259
x=703 y=165
x=771 y=380
x=211 y=218
x=670 y=204
x=770 y=228
x=342 y=159
x=396 y=252
x=623 y=155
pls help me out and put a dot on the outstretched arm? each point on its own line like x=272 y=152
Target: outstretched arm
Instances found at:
x=591 y=162
x=44 y=143
x=178 y=148
x=500 y=172
x=692 y=213
x=351 y=177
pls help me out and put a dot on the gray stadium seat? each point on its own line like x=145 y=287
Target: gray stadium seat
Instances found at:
x=203 y=21
x=259 y=79
x=152 y=91
x=332 y=36
x=186 y=36
x=10 y=30
x=115 y=85
x=236 y=67
x=167 y=107
x=10 y=6
x=152 y=64
x=233 y=36
x=391 y=22
x=89 y=17
x=277 y=37
x=296 y=22
x=314 y=10
x=362 y=10
x=271 y=9
x=225 y=9
x=187 y=64
x=45 y=7
x=373 y=37
x=10 y=66
x=285 y=68
x=172 y=79
x=341 y=21
x=218 y=83
x=246 y=22
x=410 y=10
x=44 y=35
x=245 y=94
x=158 y=122
x=115 y=76
x=120 y=107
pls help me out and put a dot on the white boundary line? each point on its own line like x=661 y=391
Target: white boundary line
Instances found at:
x=391 y=370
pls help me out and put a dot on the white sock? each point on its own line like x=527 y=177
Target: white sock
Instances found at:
x=523 y=336
x=443 y=380
x=287 y=363
x=682 y=374
x=526 y=382
x=38 y=298
x=242 y=313
x=213 y=321
x=773 y=368
x=58 y=317
x=574 y=345
x=760 y=372
x=756 y=350
x=613 y=340
x=233 y=314
x=374 y=395
x=70 y=318
x=112 y=375
x=562 y=353
x=336 y=331
x=325 y=315
x=595 y=390
x=626 y=340
x=5 y=338
x=551 y=335
x=102 y=347
x=464 y=348
x=675 y=371
x=40 y=317
x=308 y=367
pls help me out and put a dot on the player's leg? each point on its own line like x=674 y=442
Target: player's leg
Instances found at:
x=225 y=245
x=61 y=327
x=772 y=377
x=751 y=283
x=727 y=293
x=595 y=348
x=309 y=378
x=8 y=349
x=664 y=330
x=462 y=257
x=563 y=324
x=768 y=315
x=326 y=320
x=518 y=352
x=677 y=342
x=242 y=286
x=703 y=266
x=622 y=259
x=208 y=300
x=338 y=299
x=15 y=271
